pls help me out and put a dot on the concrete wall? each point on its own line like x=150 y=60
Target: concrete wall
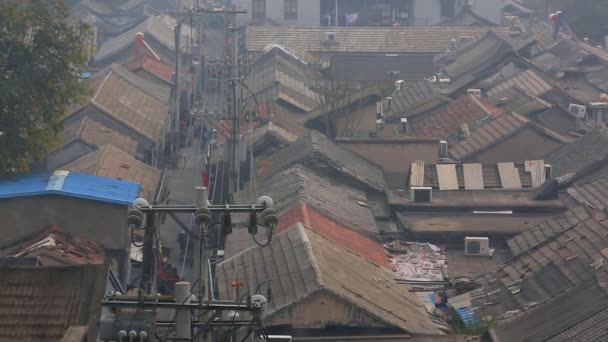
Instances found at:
x=309 y=12
x=489 y=9
x=104 y=223
x=322 y=309
x=527 y=144
x=67 y=154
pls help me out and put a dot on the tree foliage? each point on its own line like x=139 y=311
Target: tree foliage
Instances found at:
x=42 y=58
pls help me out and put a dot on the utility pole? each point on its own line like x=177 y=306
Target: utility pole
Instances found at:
x=235 y=161
x=176 y=99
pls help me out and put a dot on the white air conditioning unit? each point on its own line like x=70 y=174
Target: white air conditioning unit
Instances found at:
x=466 y=2
x=578 y=110
x=477 y=246
x=389 y=103
x=398 y=84
x=403 y=125
x=548 y=171
x=421 y=194
x=330 y=36
x=474 y=92
x=443 y=149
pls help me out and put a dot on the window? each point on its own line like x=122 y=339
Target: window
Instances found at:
x=447 y=8
x=291 y=9
x=258 y=9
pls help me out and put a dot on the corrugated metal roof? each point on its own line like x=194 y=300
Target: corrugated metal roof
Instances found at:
x=509 y=176
x=446 y=174
x=473 y=176
x=537 y=170
x=71 y=184
x=490 y=176
x=417 y=175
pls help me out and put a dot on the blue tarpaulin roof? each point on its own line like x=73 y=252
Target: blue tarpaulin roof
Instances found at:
x=71 y=184
x=468 y=316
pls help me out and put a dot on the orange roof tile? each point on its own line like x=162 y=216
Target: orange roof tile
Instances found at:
x=335 y=232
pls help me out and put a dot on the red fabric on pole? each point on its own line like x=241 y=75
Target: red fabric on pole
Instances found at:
x=205 y=178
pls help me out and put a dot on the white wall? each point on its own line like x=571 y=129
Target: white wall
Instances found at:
x=309 y=12
x=489 y=9
x=428 y=12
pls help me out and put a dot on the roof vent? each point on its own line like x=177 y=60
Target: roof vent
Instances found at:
x=478 y=246
x=421 y=194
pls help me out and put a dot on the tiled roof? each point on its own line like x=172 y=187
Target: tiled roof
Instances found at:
x=286 y=76
x=155 y=67
x=54 y=247
x=578 y=315
x=97 y=134
x=466 y=18
x=325 y=226
x=513 y=99
x=547 y=230
x=321 y=223
x=40 y=303
x=317 y=150
x=583 y=152
x=492 y=132
x=414 y=99
x=543 y=35
x=112 y=162
x=528 y=81
x=365 y=66
x=71 y=184
x=551 y=268
x=366 y=39
x=487 y=135
x=304 y=264
x=599 y=78
x=593 y=193
x=160 y=28
x=132 y=106
x=445 y=122
x=485 y=52
x=297 y=184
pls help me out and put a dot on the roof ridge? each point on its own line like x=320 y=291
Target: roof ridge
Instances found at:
x=301 y=232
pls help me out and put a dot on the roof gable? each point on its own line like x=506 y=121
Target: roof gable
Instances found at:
x=98 y=135
x=414 y=99
x=121 y=99
x=306 y=262
x=298 y=184
x=580 y=154
x=71 y=184
x=112 y=162
x=317 y=150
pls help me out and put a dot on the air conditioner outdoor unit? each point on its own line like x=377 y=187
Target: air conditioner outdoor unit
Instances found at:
x=466 y=2
x=330 y=36
x=578 y=110
x=477 y=246
x=443 y=149
x=398 y=84
x=474 y=92
x=421 y=194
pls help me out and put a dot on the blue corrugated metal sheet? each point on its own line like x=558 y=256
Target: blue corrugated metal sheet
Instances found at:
x=468 y=316
x=71 y=184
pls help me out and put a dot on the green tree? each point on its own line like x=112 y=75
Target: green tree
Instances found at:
x=42 y=58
